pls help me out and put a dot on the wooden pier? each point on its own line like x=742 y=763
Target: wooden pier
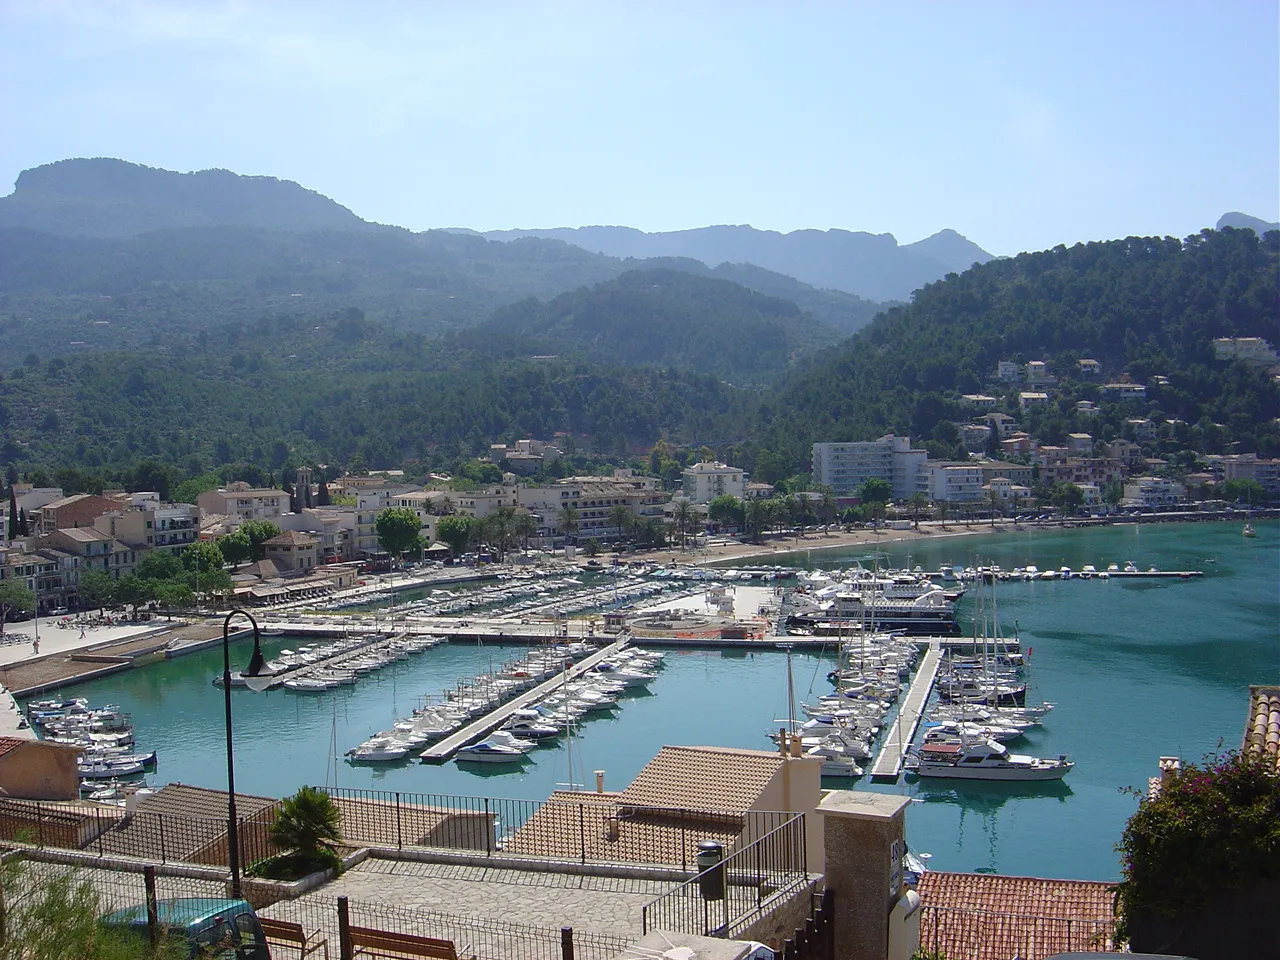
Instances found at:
x=889 y=762
x=442 y=750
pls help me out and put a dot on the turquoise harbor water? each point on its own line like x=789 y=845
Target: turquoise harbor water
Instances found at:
x=1138 y=669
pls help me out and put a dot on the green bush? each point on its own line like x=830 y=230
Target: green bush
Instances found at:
x=1213 y=829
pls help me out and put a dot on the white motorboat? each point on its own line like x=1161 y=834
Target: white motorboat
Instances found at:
x=378 y=749
x=527 y=729
x=505 y=738
x=109 y=771
x=308 y=685
x=485 y=752
x=835 y=766
x=983 y=760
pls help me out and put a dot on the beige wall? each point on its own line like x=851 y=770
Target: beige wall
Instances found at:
x=40 y=771
x=796 y=787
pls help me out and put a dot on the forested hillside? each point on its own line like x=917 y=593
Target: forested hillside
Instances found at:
x=664 y=318
x=339 y=387
x=1143 y=307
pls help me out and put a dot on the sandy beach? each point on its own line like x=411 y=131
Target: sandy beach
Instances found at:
x=722 y=549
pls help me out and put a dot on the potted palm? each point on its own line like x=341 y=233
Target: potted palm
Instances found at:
x=306 y=830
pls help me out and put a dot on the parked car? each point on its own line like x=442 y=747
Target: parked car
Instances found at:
x=226 y=929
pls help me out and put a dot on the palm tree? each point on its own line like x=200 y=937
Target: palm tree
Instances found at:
x=755 y=515
x=525 y=526
x=685 y=516
x=621 y=517
x=567 y=520
x=943 y=509
x=919 y=502
x=827 y=508
x=994 y=497
x=500 y=525
x=308 y=826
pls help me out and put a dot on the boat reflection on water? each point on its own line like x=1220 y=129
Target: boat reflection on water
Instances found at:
x=988 y=796
x=984 y=799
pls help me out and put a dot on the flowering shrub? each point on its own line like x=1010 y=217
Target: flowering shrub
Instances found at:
x=1213 y=829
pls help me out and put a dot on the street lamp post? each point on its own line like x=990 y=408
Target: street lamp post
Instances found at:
x=257 y=677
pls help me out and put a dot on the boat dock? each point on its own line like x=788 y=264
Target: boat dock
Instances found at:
x=442 y=750
x=889 y=762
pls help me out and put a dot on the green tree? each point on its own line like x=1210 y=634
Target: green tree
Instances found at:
x=236 y=548
x=174 y=595
x=258 y=532
x=202 y=556
x=133 y=591
x=188 y=491
x=756 y=517
x=159 y=565
x=827 y=506
x=725 y=509
x=622 y=519
x=685 y=516
x=308 y=825
x=95 y=588
x=876 y=490
x=525 y=527
x=13 y=511
x=456 y=532
x=499 y=528
x=593 y=547
x=944 y=510
x=567 y=521
x=1067 y=497
x=399 y=529
x=919 y=503
x=993 y=497
x=15 y=597
x=1243 y=491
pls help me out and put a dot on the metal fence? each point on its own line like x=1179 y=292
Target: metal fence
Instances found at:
x=725 y=898
x=110 y=831
x=986 y=933
x=587 y=828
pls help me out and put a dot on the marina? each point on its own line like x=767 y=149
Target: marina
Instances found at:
x=439 y=752
x=1163 y=659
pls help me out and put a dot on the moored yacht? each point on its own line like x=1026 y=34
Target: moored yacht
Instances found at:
x=983 y=760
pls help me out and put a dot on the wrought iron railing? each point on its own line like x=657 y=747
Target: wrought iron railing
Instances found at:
x=723 y=899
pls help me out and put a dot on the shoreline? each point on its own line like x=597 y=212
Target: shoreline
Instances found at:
x=930 y=531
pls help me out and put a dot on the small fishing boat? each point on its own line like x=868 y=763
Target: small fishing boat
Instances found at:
x=1248 y=530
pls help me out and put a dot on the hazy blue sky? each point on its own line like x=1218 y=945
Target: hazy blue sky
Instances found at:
x=1021 y=125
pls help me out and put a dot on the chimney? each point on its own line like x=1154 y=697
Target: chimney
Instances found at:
x=599 y=781
x=1170 y=767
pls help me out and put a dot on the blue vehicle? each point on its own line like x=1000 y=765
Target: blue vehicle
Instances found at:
x=225 y=929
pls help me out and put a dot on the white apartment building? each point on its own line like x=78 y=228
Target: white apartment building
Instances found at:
x=334 y=528
x=1153 y=492
x=239 y=502
x=1253 y=350
x=1008 y=371
x=846 y=466
x=979 y=401
x=593 y=499
x=950 y=480
x=703 y=482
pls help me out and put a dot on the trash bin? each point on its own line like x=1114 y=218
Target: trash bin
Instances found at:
x=710 y=872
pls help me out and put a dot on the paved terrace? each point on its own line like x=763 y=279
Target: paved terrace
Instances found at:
x=610 y=905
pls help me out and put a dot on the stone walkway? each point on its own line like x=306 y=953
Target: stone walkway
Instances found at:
x=610 y=905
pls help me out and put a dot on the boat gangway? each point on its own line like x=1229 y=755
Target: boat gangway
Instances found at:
x=889 y=762
x=442 y=750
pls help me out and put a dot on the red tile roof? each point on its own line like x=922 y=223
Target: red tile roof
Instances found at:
x=989 y=917
x=1262 y=728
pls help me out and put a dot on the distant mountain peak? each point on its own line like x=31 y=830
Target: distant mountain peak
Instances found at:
x=1242 y=221
x=106 y=197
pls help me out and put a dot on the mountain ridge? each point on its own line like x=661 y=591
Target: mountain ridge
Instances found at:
x=873 y=266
